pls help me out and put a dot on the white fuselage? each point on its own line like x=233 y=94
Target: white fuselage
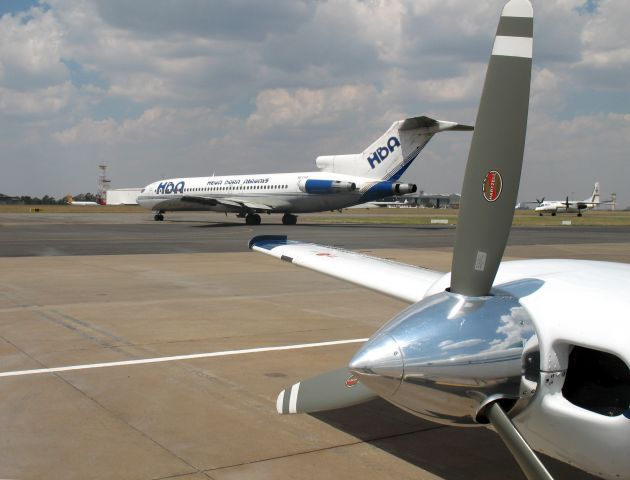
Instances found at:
x=561 y=207
x=273 y=193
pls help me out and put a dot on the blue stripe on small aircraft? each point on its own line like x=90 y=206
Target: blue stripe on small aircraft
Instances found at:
x=268 y=242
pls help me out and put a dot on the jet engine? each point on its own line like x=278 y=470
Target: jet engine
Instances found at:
x=387 y=189
x=326 y=186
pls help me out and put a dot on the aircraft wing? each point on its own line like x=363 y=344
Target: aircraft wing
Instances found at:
x=404 y=282
x=228 y=202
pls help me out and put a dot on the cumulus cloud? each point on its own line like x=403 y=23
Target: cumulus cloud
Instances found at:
x=30 y=55
x=281 y=108
x=154 y=124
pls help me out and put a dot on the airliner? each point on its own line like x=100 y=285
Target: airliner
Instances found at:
x=341 y=181
x=569 y=206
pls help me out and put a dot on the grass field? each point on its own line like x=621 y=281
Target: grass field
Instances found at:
x=405 y=216
x=423 y=216
x=70 y=209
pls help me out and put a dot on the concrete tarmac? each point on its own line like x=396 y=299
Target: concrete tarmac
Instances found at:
x=214 y=417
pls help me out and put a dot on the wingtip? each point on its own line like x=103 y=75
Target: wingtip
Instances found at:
x=267 y=241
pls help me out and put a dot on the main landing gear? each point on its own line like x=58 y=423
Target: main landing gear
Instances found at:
x=288 y=219
x=158 y=217
x=252 y=219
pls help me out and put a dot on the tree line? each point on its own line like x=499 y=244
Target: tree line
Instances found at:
x=50 y=200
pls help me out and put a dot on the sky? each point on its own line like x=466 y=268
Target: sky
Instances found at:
x=172 y=88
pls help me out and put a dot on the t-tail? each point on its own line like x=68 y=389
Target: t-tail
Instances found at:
x=594 y=198
x=389 y=156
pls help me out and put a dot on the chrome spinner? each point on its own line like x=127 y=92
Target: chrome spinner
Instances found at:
x=447 y=356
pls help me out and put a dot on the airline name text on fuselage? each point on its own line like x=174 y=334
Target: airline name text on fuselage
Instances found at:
x=178 y=186
x=237 y=181
x=170 y=187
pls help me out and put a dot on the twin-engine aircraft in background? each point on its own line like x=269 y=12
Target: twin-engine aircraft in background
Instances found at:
x=342 y=180
x=569 y=206
x=539 y=349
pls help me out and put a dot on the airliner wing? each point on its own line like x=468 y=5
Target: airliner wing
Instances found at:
x=228 y=202
x=404 y=282
x=253 y=206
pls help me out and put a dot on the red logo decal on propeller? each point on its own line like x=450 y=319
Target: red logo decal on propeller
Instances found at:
x=492 y=185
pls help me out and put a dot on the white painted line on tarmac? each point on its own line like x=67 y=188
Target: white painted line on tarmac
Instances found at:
x=226 y=353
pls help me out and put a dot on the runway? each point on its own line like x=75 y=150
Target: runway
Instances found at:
x=156 y=306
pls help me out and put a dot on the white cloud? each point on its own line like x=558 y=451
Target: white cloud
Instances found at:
x=30 y=51
x=154 y=125
x=281 y=108
x=606 y=37
x=36 y=103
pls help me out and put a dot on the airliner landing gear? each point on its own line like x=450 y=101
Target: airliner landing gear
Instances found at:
x=579 y=214
x=158 y=217
x=252 y=219
x=288 y=219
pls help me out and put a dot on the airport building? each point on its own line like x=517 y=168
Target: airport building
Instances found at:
x=122 y=196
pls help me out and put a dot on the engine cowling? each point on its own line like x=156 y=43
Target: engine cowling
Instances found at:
x=387 y=189
x=316 y=186
x=403 y=188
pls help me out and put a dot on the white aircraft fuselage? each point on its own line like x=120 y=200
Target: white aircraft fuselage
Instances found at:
x=272 y=193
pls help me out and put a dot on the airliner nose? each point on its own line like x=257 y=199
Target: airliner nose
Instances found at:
x=379 y=365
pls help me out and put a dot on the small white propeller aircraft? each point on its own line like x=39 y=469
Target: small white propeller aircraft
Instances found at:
x=538 y=349
x=342 y=180
x=569 y=206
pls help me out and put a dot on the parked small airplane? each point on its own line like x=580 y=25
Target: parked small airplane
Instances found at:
x=536 y=348
x=342 y=180
x=71 y=201
x=568 y=206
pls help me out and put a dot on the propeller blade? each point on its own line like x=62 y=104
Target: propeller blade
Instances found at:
x=328 y=391
x=523 y=454
x=495 y=159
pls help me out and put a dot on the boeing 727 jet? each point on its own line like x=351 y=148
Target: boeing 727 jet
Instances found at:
x=342 y=180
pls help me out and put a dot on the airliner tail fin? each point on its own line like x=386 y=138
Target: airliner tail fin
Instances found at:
x=388 y=157
x=594 y=198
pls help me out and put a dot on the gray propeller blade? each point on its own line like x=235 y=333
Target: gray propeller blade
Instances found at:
x=328 y=391
x=494 y=163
